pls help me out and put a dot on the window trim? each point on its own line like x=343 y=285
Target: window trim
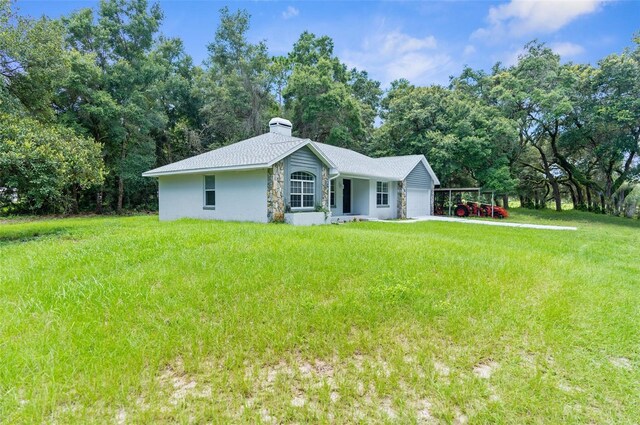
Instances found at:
x=382 y=189
x=205 y=190
x=302 y=192
x=332 y=193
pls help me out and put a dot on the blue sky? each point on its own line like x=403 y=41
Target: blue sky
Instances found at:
x=423 y=41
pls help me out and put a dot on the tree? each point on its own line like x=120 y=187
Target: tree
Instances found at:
x=43 y=167
x=538 y=92
x=326 y=102
x=119 y=108
x=464 y=139
x=617 y=109
x=180 y=101
x=32 y=61
x=581 y=121
x=236 y=88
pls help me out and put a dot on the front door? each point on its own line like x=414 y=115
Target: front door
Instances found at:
x=346 y=196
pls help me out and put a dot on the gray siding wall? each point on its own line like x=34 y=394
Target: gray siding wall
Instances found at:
x=419 y=178
x=360 y=196
x=240 y=196
x=383 y=212
x=303 y=160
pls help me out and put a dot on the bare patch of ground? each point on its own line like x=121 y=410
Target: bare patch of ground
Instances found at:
x=424 y=412
x=461 y=419
x=298 y=401
x=441 y=368
x=121 y=417
x=388 y=409
x=621 y=362
x=307 y=379
x=180 y=384
x=484 y=370
x=317 y=386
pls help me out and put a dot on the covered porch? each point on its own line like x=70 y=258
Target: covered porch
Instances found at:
x=354 y=198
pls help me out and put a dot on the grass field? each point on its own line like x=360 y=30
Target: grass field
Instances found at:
x=129 y=320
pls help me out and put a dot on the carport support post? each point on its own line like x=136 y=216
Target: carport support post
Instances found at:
x=492 y=203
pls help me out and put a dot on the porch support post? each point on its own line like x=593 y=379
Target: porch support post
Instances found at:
x=325 y=188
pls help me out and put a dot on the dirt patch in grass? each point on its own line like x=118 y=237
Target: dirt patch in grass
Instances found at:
x=320 y=385
x=441 y=368
x=121 y=417
x=485 y=369
x=181 y=385
x=337 y=389
x=621 y=362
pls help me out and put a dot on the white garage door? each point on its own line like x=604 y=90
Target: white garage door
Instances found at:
x=418 y=201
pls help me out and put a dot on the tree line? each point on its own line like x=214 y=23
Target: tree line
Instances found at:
x=90 y=101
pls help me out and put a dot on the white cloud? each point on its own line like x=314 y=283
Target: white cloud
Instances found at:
x=402 y=43
x=524 y=17
x=469 y=49
x=418 y=67
x=567 y=49
x=394 y=54
x=290 y=12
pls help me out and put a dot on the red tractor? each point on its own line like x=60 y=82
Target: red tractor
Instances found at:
x=498 y=212
x=479 y=210
x=469 y=209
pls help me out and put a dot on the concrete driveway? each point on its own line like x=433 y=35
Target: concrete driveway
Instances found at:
x=496 y=222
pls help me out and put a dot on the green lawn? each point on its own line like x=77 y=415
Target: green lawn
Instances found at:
x=129 y=320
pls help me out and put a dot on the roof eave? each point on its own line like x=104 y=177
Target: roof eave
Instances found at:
x=369 y=176
x=206 y=170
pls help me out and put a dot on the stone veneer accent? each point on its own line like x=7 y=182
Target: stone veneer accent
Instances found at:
x=433 y=201
x=402 y=199
x=325 y=188
x=275 y=192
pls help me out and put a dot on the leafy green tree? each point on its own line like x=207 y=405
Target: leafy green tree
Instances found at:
x=120 y=107
x=43 y=167
x=326 y=102
x=463 y=138
x=236 y=87
x=280 y=70
x=32 y=61
x=180 y=101
x=538 y=90
x=581 y=121
x=617 y=110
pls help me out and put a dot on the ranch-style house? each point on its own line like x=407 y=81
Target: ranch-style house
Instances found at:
x=278 y=177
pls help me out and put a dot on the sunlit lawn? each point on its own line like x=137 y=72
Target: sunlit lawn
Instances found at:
x=136 y=321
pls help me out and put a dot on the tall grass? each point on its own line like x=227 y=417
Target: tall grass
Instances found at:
x=133 y=320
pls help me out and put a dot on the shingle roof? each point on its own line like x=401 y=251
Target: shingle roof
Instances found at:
x=268 y=148
x=251 y=153
x=356 y=164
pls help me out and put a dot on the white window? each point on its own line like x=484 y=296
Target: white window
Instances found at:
x=332 y=193
x=303 y=188
x=382 y=194
x=209 y=191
